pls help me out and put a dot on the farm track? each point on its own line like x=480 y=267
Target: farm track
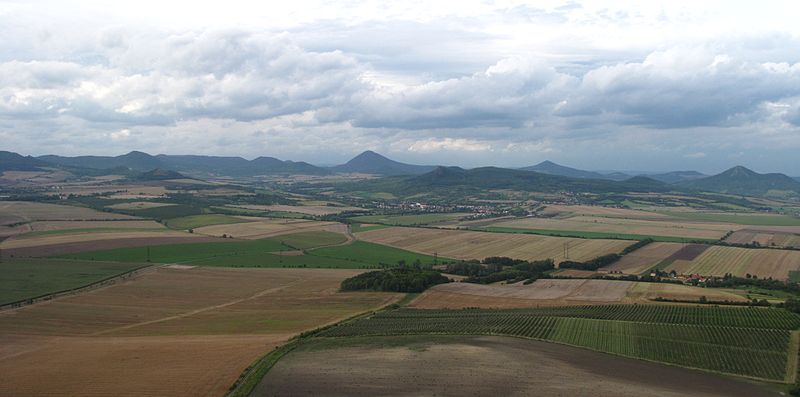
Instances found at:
x=200 y=310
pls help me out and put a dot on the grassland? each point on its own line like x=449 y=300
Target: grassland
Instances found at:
x=173 y=331
x=738 y=341
x=408 y=220
x=365 y=227
x=478 y=245
x=279 y=251
x=195 y=221
x=29 y=278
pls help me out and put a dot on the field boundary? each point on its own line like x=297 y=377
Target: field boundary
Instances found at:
x=254 y=373
x=111 y=280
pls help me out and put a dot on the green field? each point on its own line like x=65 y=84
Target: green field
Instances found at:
x=358 y=227
x=195 y=221
x=748 y=342
x=739 y=219
x=29 y=278
x=364 y=252
x=407 y=220
x=592 y=235
x=279 y=251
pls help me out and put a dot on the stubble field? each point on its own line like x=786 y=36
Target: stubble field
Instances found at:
x=478 y=245
x=176 y=331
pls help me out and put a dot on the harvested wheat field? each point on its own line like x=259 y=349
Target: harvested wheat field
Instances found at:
x=764 y=238
x=650 y=291
x=564 y=211
x=172 y=332
x=718 y=260
x=460 y=244
x=555 y=292
x=598 y=224
x=36 y=240
x=25 y=211
x=95 y=245
x=481 y=366
x=266 y=227
x=644 y=258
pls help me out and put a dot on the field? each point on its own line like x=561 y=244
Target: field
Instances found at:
x=635 y=229
x=643 y=259
x=306 y=249
x=174 y=331
x=738 y=218
x=479 y=365
x=408 y=220
x=718 y=261
x=555 y=292
x=138 y=205
x=755 y=343
x=25 y=211
x=29 y=278
x=257 y=228
x=765 y=238
x=478 y=245
x=314 y=210
x=195 y=221
x=565 y=211
x=37 y=240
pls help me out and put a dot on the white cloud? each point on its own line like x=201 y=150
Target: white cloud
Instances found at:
x=448 y=144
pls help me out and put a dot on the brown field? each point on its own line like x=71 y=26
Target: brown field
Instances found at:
x=460 y=244
x=765 y=238
x=601 y=224
x=644 y=258
x=171 y=332
x=267 y=227
x=718 y=261
x=304 y=209
x=592 y=210
x=481 y=366
x=77 y=225
x=649 y=291
x=23 y=241
x=24 y=211
x=95 y=245
x=560 y=292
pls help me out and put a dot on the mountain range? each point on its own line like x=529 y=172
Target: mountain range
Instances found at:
x=545 y=176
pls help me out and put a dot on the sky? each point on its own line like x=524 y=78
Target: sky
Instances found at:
x=600 y=85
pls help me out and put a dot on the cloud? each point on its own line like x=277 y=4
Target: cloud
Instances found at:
x=697 y=155
x=448 y=144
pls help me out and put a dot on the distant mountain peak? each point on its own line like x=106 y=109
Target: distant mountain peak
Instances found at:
x=551 y=168
x=369 y=162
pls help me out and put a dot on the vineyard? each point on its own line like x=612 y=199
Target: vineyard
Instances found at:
x=741 y=341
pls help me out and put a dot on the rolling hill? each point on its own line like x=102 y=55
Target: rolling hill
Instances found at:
x=134 y=160
x=10 y=161
x=677 y=176
x=455 y=180
x=741 y=180
x=551 y=168
x=370 y=162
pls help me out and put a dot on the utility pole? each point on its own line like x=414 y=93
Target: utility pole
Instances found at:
x=148 y=253
x=435 y=258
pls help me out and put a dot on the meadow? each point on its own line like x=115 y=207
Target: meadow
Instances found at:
x=29 y=278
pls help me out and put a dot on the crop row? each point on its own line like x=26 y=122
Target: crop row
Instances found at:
x=747 y=317
x=755 y=352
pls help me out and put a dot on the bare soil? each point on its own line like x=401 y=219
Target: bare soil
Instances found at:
x=482 y=366
x=94 y=245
